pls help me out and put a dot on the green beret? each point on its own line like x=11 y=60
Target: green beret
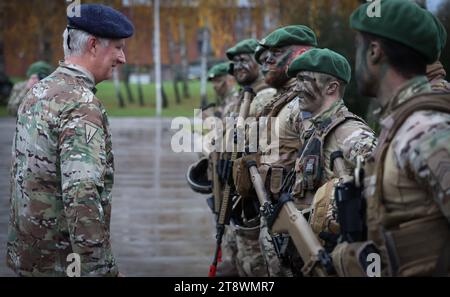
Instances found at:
x=323 y=61
x=218 y=70
x=246 y=46
x=258 y=52
x=401 y=21
x=290 y=35
x=41 y=68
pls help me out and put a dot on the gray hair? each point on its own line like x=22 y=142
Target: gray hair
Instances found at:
x=78 y=42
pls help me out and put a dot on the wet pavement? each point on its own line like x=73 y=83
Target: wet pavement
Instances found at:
x=160 y=227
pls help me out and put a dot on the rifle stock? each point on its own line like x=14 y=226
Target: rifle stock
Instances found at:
x=290 y=220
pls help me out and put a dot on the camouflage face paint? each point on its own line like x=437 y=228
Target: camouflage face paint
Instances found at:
x=246 y=70
x=274 y=66
x=309 y=91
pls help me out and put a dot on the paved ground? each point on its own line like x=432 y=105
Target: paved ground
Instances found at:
x=160 y=227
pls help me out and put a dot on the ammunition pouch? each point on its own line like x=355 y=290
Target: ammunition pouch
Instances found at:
x=350 y=259
x=273 y=178
x=321 y=204
x=416 y=248
x=242 y=178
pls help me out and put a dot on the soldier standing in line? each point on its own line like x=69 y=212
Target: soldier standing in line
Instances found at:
x=407 y=187
x=36 y=72
x=322 y=76
x=277 y=157
x=243 y=231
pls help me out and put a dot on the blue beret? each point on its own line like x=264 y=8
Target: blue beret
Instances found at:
x=102 y=21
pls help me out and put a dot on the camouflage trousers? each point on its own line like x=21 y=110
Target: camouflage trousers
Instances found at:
x=228 y=267
x=241 y=253
x=274 y=265
x=249 y=258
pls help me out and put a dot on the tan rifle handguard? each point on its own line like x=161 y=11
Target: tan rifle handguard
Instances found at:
x=291 y=221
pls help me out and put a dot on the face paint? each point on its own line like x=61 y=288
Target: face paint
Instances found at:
x=275 y=65
x=277 y=62
x=310 y=95
x=246 y=70
x=220 y=85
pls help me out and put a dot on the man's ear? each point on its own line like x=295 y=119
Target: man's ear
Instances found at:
x=332 y=88
x=374 y=52
x=92 y=45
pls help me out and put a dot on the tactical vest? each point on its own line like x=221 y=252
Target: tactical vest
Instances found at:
x=272 y=174
x=410 y=243
x=309 y=166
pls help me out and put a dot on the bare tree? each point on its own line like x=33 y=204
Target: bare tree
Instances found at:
x=184 y=61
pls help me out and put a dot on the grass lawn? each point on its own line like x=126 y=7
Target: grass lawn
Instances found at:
x=106 y=93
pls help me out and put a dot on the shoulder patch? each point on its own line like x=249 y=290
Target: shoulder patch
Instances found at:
x=89 y=132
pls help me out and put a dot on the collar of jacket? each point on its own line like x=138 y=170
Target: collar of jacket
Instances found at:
x=78 y=72
x=416 y=85
x=323 y=119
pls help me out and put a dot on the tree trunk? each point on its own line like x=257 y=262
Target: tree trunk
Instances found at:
x=117 y=88
x=173 y=66
x=139 y=86
x=5 y=84
x=204 y=66
x=184 y=62
x=165 y=102
x=126 y=75
x=157 y=57
x=2 y=33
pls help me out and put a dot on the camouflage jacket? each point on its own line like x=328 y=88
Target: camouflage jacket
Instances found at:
x=422 y=140
x=351 y=136
x=61 y=179
x=17 y=96
x=282 y=149
x=408 y=206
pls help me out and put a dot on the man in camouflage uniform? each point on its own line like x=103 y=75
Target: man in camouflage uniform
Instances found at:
x=224 y=86
x=62 y=169
x=322 y=76
x=227 y=104
x=36 y=72
x=277 y=156
x=5 y=88
x=435 y=75
x=242 y=235
x=407 y=185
